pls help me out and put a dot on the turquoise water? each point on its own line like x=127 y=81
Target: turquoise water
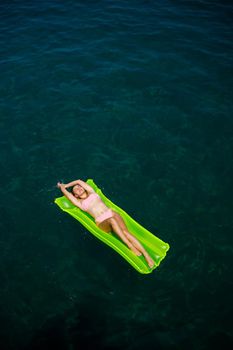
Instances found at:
x=138 y=96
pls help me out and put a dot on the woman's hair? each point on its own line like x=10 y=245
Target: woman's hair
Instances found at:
x=72 y=188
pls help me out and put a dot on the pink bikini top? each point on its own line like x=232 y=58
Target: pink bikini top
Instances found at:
x=86 y=202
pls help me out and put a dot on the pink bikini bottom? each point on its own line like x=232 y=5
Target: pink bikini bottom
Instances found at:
x=106 y=215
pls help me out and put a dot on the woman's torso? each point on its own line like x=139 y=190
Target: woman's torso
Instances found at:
x=93 y=205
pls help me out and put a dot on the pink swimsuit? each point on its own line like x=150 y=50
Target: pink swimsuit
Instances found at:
x=86 y=203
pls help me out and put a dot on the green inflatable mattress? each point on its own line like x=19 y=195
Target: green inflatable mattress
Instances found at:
x=155 y=246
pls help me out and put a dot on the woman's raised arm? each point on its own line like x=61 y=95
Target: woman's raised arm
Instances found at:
x=69 y=195
x=81 y=183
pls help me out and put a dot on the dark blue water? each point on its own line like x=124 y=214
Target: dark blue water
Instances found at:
x=138 y=96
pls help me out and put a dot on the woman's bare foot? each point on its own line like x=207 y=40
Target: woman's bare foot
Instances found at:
x=150 y=261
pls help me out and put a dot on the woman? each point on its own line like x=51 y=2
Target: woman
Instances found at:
x=85 y=198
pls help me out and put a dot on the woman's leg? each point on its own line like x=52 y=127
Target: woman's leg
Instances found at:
x=133 y=240
x=117 y=229
x=140 y=248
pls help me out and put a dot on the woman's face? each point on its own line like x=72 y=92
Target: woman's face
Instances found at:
x=78 y=190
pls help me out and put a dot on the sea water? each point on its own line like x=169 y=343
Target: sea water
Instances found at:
x=136 y=95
